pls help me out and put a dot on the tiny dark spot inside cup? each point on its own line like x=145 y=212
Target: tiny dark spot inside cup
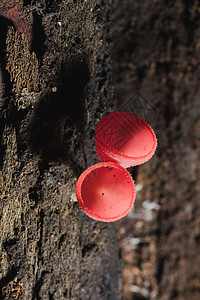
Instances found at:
x=108 y=167
x=113 y=175
x=102 y=194
x=128 y=182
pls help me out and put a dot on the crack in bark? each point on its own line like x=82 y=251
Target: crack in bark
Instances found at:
x=11 y=274
x=37 y=287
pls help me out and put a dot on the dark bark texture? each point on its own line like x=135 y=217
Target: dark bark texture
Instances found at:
x=55 y=85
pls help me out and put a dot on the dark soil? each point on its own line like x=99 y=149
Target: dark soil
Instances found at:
x=156 y=67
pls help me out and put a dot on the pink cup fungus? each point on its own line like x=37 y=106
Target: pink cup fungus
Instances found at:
x=105 y=192
x=124 y=138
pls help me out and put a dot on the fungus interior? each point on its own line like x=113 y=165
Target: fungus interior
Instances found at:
x=107 y=192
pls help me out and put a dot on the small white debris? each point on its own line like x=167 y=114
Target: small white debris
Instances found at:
x=138 y=188
x=146 y=283
x=122 y=230
x=130 y=244
x=139 y=224
x=134 y=241
x=146 y=212
x=54 y=89
x=136 y=289
x=59 y=23
x=73 y=198
x=148 y=205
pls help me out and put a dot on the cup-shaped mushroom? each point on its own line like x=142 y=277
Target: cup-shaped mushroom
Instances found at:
x=105 y=192
x=124 y=138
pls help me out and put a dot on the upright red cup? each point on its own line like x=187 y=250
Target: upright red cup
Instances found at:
x=124 y=138
x=105 y=192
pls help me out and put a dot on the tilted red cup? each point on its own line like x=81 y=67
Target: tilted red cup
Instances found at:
x=124 y=138
x=105 y=192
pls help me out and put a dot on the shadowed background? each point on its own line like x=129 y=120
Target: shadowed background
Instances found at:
x=156 y=46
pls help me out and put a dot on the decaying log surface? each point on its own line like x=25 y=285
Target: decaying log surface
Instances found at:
x=55 y=86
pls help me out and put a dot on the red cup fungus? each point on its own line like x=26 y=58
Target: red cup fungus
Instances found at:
x=105 y=192
x=125 y=139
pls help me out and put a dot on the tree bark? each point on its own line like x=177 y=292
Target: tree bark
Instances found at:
x=156 y=53
x=55 y=86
